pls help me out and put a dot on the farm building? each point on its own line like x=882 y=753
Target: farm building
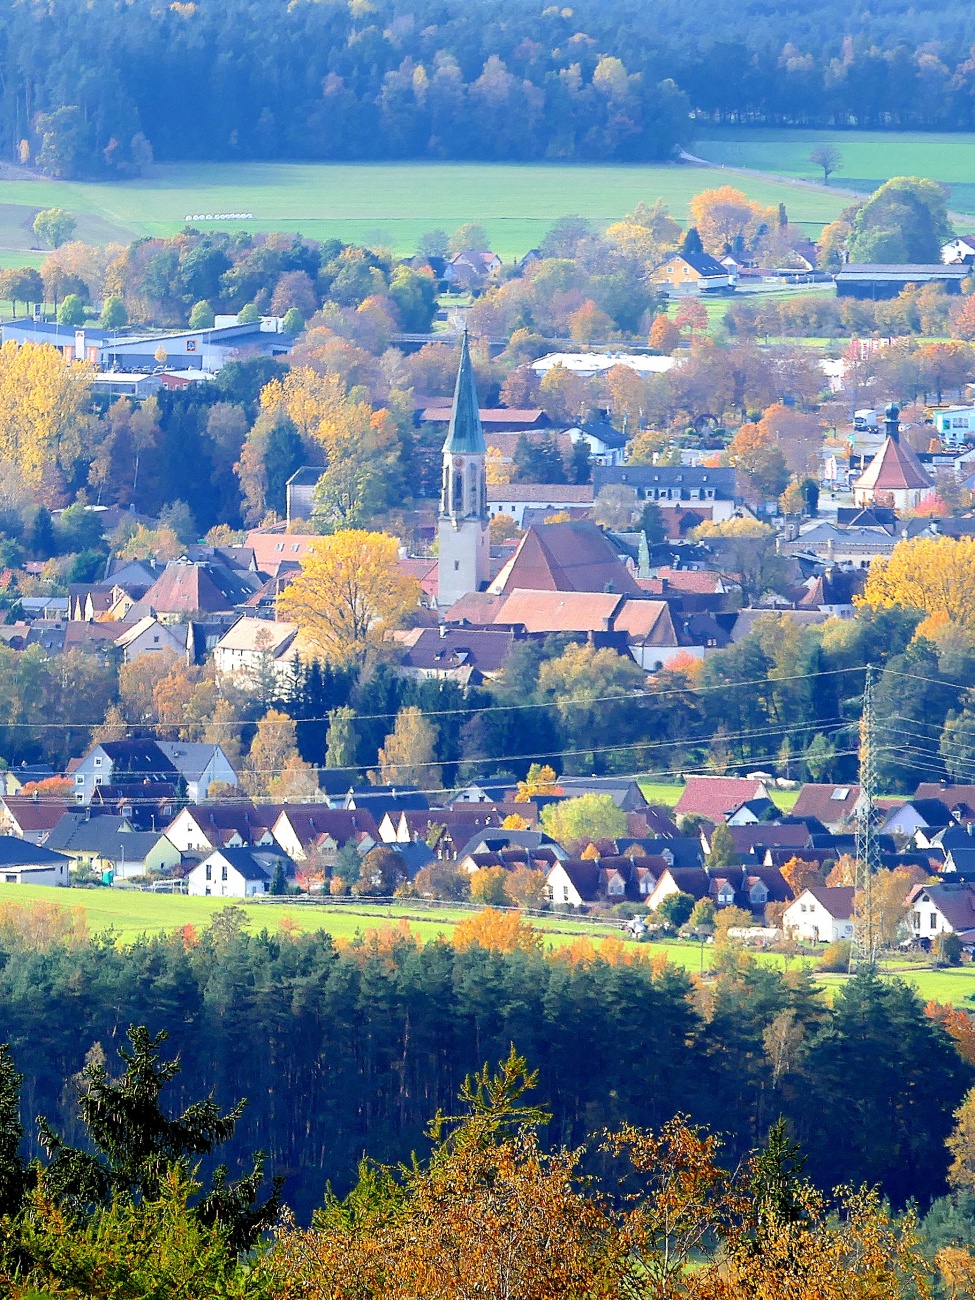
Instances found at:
x=876 y=280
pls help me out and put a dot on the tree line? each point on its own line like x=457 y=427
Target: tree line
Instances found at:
x=105 y=92
x=342 y=1048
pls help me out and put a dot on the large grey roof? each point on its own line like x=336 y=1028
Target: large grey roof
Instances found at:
x=15 y=852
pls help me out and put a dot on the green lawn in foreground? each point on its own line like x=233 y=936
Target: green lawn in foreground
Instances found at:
x=869 y=157
x=388 y=203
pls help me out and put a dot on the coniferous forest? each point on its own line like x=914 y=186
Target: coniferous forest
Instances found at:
x=342 y=1051
x=99 y=89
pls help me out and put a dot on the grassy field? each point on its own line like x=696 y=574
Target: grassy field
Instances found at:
x=869 y=157
x=390 y=203
x=130 y=914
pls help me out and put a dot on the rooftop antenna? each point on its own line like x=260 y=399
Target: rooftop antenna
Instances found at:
x=863 y=950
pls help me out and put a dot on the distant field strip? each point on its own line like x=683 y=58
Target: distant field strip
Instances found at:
x=382 y=203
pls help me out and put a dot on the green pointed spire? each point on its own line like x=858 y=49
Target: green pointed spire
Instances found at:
x=465 y=436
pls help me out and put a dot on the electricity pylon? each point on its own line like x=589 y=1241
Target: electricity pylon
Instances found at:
x=863 y=950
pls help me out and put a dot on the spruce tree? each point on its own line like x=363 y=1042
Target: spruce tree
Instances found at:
x=135 y=1142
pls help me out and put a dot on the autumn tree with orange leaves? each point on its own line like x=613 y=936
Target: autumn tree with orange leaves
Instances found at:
x=493 y=1213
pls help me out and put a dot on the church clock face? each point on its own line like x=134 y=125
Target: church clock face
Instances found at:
x=458 y=463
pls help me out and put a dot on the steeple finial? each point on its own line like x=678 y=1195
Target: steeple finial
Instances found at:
x=465 y=435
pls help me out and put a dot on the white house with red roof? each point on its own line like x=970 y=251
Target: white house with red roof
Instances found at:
x=717 y=797
x=821 y=915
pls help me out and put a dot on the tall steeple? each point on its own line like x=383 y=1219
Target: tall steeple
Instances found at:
x=465 y=436
x=464 y=562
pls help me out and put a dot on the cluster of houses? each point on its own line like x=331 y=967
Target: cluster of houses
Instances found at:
x=139 y=813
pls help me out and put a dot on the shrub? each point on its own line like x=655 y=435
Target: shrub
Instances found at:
x=836 y=957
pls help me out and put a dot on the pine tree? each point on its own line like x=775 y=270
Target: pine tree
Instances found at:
x=133 y=1143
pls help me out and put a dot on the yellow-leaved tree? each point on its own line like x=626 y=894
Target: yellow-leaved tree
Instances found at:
x=349 y=593
x=43 y=405
x=725 y=214
x=361 y=446
x=933 y=574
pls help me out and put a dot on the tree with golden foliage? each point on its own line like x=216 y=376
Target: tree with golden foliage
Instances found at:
x=725 y=215
x=497 y=470
x=932 y=574
x=489 y=885
x=888 y=903
x=539 y=779
x=498 y=931
x=800 y=875
x=408 y=756
x=961 y=1145
x=349 y=593
x=43 y=410
x=526 y=888
x=274 y=746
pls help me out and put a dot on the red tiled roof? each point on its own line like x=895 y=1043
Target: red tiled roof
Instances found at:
x=714 y=797
x=894 y=468
x=825 y=804
x=566 y=557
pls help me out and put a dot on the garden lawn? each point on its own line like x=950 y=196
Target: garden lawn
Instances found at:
x=389 y=204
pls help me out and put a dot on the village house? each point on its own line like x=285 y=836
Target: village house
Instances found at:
x=237 y=873
x=944 y=908
x=23 y=863
x=835 y=806
x=713 y=489
x=515 y=499
x=717 y=797
x=471 y=268
x=256 y=648
x=320 y=831
x=236 y=824
x=692 y=273
x=30 y=818
x=747 y=887
x=468 y=657
x=110 y=844
x=820 y=915
x=581 y=882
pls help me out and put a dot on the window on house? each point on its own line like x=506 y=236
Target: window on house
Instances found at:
x=917 y=920
x=223 y=873
x=10 y=880
x=209 y=872
x=98 y=762
x=934 y=920
x=79 y=780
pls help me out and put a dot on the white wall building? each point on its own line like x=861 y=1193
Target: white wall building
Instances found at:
x=821 y=915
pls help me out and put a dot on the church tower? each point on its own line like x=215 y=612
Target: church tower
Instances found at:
x=465 y=549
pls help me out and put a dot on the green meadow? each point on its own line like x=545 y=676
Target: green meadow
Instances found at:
x=389 y=204
x=869 y=157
